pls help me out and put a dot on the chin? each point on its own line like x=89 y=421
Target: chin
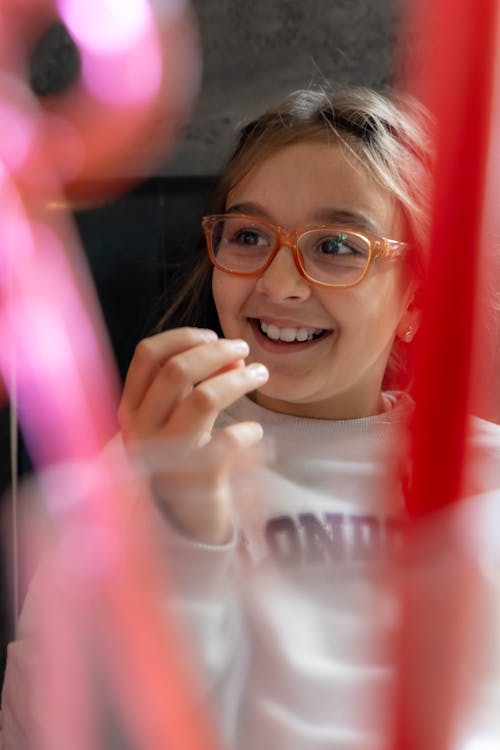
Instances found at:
x=283 y=389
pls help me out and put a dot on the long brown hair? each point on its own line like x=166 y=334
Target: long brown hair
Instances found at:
x=389 y=137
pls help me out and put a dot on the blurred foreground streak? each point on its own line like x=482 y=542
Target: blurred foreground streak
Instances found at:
x=449 y=694
x=102 y=641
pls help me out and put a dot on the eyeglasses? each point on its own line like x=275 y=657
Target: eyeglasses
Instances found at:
x=327 y=256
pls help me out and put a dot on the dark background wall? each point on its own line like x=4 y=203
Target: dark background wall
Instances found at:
x=257 y=51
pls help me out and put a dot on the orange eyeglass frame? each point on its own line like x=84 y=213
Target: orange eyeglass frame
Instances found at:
x=379 y=247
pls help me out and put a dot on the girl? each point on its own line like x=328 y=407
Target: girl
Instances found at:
x=312 y=263
x=310 y=281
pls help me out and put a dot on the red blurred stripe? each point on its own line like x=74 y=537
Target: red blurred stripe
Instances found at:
x=454 y=78
x=461 y=37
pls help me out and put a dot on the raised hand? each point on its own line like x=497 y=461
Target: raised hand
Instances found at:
x=177 y=384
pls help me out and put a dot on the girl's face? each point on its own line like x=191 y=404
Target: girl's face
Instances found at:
x=338 y=375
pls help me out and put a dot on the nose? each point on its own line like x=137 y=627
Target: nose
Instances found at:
x=282 y=280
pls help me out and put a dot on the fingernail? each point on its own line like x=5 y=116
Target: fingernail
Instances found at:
x=208 y=335
x=258 y=371
x=239 y=346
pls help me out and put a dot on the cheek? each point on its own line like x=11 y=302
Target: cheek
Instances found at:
x=217 y=288
x=229 y=295
x=224 y=293
x=343 y=306
x=389 y=296
x=370 y=312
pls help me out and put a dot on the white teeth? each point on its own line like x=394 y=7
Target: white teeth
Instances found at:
x=288 y=335
x=302 y=334
x=273 y=332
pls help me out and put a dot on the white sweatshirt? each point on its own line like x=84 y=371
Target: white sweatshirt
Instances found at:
x=295 y=627
x=294 y=621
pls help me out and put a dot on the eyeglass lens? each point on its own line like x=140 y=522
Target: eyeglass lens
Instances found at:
x=327 y=254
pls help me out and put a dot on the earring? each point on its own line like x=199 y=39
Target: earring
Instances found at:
x=408 y=334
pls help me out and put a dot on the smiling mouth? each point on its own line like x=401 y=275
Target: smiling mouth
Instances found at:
x=287 y=334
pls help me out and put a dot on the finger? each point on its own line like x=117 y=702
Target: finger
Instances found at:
x=154 y=351
x=197 y=413
x=170 y=455
x=207 y=436
x=237 y=448
x=231 y=366
x=240 y=450
x=197 y=494
x=240 y=436
x=224 y=461
x=177 y=377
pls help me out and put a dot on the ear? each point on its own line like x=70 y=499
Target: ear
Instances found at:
x=410 y=320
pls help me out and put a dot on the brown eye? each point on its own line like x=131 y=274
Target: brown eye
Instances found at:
x=248 y=237
x=340 y=245
x=243 y=233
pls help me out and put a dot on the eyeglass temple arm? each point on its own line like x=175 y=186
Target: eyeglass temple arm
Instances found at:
x=390 y=248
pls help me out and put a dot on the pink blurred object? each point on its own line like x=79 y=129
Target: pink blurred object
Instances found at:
x=140 y=74
x=102 y=633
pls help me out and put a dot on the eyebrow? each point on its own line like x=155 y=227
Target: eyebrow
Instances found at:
x=354 y=219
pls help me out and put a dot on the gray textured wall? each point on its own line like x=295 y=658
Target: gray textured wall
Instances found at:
x=256 y=51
